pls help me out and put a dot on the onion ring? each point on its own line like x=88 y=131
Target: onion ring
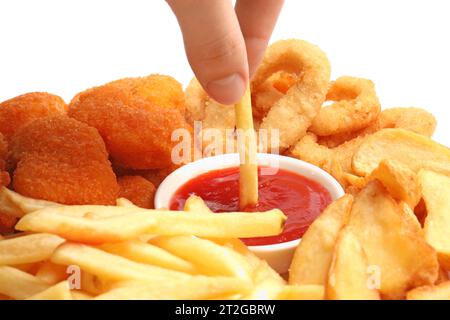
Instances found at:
x=293 y=112
x=355 y=107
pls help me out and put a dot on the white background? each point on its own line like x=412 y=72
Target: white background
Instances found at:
x=66 y=46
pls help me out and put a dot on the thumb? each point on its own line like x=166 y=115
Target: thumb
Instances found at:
x=214 y=46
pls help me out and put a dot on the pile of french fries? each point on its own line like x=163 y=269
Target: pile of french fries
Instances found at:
x=126 y=252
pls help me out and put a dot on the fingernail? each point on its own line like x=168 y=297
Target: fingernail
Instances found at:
x=228 y=90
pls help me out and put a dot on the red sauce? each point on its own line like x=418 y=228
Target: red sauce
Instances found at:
x=300 y=199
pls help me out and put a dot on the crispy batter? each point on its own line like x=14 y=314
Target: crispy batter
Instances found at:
x=293 y=113
x=137 y=133
x=62 y=160
x=21 y=110
x=355 y=107
x=138 y=190
x=413 y=119
x=4 y=175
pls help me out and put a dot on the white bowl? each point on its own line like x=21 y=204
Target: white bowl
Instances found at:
x=278 y=255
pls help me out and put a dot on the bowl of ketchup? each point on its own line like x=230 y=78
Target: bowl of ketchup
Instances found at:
x=299 y=189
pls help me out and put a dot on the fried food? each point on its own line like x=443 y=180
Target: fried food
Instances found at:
x=416 y=120
x=438 y=292
x=137 y=133
x=405 y=147
x=392 y=241
x=348 y=276
x=138 y=190
x=436 y=190
x=4 y=175
x=313 y=256
x=20 y=111
x=355 y=107
x=62 y=160
x=293 y=112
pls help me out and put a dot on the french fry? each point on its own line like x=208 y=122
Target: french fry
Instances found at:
x=16 y=205
x=312 y=258
x=59 y=291
x=348 y=276
x=248 y=175
x=438 y=292
x=224 y=225
x=436 y=194
x=267 y=283
x=18 y=284
x=196 y=204
x=51 y=273
x=94 y=285
x=406 y=147
x=392 y=241
x=221 y=260
x=400 y=181
x=302 y=292
x=81 y=295
x=192 y=288
x=149 y=254
x=124 y=202
x=86 y=229
x=28 y=249
x=109 y=266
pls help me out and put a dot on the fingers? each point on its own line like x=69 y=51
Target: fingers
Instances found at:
x=214 y=46
x=257 y=19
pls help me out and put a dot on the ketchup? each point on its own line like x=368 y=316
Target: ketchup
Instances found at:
x=300 y=199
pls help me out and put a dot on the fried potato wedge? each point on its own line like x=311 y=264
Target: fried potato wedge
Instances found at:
x=392 y=241
x=220 y=261
x=436 y=194
x=348 y=277
x=302 y=292
x=28 y=249
x=408 y=148
x=312 y=258
x=149 y=254
x=400 y=181
x=86 y=229
x=438 y=292
x=60 y=291
x=17 y=284
x=193 y=288
x=109 y=266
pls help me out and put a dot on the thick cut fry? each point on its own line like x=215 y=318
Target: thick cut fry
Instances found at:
x=52 y=273
x=149 y=254
x=59 y=291
x=410 y=149
x=221 y=260
x=248 y=175
x=193 y=288
x=196 y=204
x=28 y=249
x=392 y=241
x=438 y=292
x=224 y=225
x=109 y=266
x=17 y=284
x=17 y=205
x=348 y=276
x=400 y=181
x=86 y=229
x=302 y=292
x=436 y=193
x=313 y=256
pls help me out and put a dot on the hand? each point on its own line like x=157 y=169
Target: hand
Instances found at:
x=225 y=45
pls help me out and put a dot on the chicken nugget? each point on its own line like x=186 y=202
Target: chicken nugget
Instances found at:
x=19 y=111
x=62 y=160
x=4 y=176
x=137 y=133
x=138 y=190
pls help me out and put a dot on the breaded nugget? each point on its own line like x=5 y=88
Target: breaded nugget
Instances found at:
x=138 y=190
x=137 y=133
x=4 y=176
x=19 y=111
x=62 y=160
